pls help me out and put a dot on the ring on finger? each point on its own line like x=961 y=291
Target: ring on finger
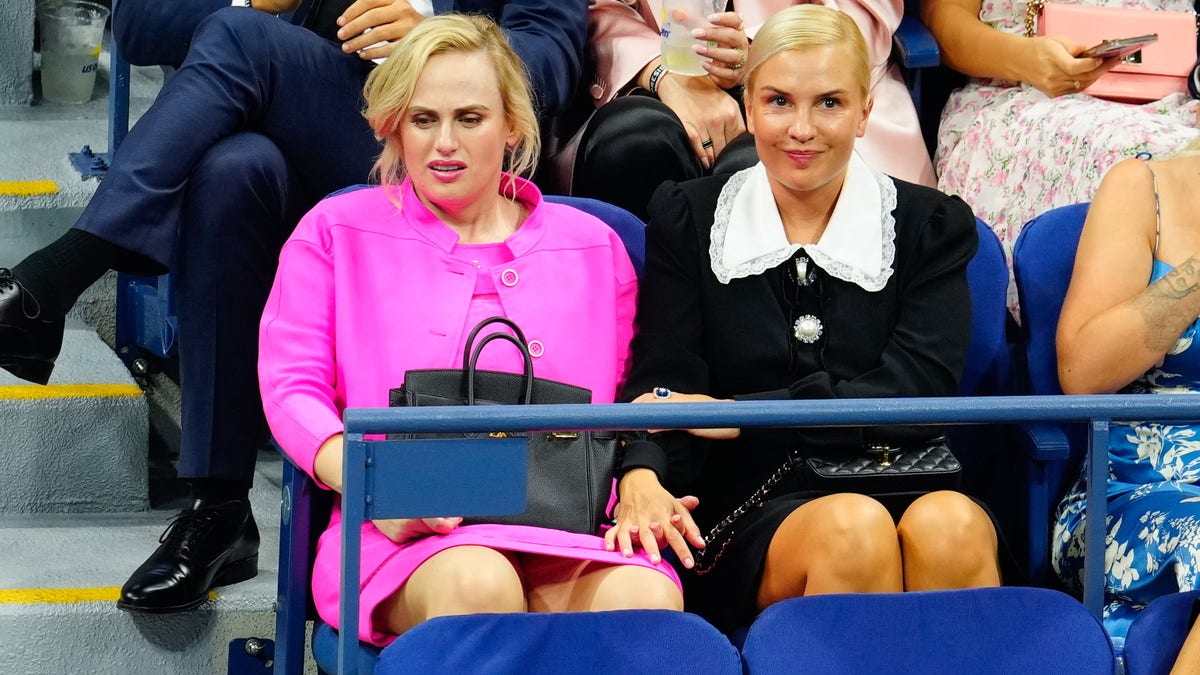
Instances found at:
x=706 y=144
x=741 y=58
x=1075 y=83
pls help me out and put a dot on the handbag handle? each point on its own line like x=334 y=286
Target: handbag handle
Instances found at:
x=468 y=348
x=520 y=345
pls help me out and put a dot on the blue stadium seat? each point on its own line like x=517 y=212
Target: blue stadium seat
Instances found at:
x=981 y=631
x=1157 y=633
x=1043 y=258
x=630 y=641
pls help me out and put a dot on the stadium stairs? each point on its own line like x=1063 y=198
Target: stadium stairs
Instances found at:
x=76 y=514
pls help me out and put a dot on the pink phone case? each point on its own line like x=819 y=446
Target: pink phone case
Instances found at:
x=1165 y=64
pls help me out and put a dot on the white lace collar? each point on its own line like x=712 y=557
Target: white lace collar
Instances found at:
x=858 y=245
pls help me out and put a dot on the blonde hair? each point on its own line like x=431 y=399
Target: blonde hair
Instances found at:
x=389 y=88
x=804 y=26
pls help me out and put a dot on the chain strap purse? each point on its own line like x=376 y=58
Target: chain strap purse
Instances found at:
x=569 y=475
x=881 y=469
x=1157 y=70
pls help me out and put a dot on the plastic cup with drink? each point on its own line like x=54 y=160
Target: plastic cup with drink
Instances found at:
x=679 y=19
x=71 y=32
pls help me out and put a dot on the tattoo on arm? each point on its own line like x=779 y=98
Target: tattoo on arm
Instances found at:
x=1160 y=305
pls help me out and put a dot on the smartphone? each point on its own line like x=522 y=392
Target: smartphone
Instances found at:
x=1119 y=48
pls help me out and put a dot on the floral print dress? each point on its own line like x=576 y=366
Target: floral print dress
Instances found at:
x=1153 y=538
x=1013 y=153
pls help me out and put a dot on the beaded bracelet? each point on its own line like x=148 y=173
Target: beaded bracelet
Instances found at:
x=655 y=76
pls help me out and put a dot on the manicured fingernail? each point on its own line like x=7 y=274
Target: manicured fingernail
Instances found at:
x=704 y=162
x=712 y=18
x=700 y=49
x=687 y=562
x=341 y=21
x=697 y=32
x=656 y=558
x=608 y=546
x=628 y=553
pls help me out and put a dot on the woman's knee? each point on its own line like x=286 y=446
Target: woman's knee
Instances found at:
x=842 y=543
x=948 y=529
x=470 y=580
x=634 y=587
x=857 y=530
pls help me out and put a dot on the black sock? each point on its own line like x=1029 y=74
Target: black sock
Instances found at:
x=219 y=491
x=57 y=275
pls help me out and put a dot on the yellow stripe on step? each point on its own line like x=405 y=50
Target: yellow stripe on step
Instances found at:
x=65 y=596
x=27 y=188
x=35 y=392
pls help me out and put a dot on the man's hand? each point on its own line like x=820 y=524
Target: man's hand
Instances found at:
x=372 y=27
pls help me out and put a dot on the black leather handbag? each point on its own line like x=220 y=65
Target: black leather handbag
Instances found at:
x=881 y=470
x=885 y=469
x=569 y=474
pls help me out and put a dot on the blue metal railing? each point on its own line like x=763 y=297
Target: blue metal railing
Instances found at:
x=364 y=457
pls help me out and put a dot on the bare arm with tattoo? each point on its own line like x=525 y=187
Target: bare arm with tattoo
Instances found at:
x=1115 y=325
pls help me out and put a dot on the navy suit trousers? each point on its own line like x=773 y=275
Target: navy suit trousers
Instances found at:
x=261 y=120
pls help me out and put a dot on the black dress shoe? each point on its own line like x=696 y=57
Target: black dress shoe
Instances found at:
x=205 y=546
x=29 y=342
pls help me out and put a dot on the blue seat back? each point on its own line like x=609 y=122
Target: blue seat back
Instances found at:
x=987 y=370
x=629 y=641
x=1043 y=259
x=981 y=631
x=628 y=227
x=990 y=469
x=1157 y=633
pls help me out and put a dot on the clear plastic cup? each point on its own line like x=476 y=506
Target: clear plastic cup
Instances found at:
x=679 y=19
x=71 y=32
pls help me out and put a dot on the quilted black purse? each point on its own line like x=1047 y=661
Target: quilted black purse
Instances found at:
x=881 y=470
x=568 y=474
x=885 y=469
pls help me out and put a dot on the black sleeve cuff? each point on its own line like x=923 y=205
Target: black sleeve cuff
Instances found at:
x=773 y=395
x=643 y=453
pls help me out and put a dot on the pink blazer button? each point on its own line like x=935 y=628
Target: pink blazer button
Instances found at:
x=536 y=348
x=508 y=278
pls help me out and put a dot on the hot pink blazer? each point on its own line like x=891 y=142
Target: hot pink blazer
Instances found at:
x=623 y=36
x=366 y=291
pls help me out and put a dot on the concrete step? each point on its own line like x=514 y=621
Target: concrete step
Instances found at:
x=60 y=577
x=78 y=444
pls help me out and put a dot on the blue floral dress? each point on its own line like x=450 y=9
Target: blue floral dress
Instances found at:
x=1153 y=539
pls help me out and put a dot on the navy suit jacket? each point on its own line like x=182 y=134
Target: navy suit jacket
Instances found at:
x=548 y=35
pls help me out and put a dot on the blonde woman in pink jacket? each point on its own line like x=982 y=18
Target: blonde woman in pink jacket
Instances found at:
x=684 y=127
x=379 y=281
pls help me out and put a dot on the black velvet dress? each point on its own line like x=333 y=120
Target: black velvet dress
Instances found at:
x=735 y=340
